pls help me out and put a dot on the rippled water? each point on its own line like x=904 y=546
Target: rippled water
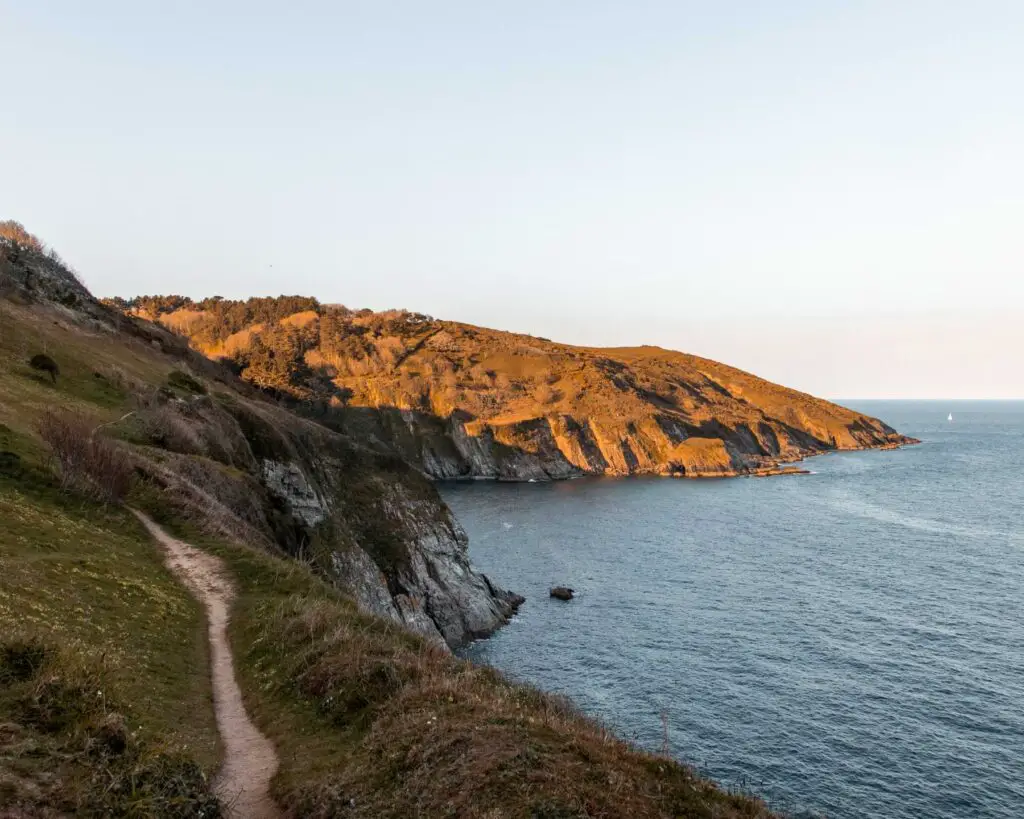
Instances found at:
x=848 y=643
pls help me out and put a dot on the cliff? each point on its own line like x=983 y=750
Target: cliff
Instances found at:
x=459 y=401
x=241 y=465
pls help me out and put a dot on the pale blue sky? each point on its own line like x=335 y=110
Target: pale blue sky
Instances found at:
x=830 y=194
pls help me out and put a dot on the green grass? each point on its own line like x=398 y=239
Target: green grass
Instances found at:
x=89 y=578
x=310 y=748
x=69 y=747
x=86 y=583
x=97 y=370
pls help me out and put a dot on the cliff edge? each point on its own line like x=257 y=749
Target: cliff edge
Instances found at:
x=459 y=401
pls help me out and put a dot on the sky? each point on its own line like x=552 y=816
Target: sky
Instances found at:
x=828 y=194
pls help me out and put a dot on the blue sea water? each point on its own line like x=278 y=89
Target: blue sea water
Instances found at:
x=848 y=643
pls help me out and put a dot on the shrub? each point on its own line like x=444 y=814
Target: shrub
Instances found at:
x=165 y=428
x=545 y=394
x=43 y=363
x=10 y=462
x=186 y=383
x=87 y=462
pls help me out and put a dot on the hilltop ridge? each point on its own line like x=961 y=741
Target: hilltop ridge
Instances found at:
x=459 y=401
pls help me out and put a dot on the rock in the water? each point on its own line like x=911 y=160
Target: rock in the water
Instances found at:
x=562 y=593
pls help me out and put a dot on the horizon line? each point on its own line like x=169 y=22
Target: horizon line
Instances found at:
x=917 y=398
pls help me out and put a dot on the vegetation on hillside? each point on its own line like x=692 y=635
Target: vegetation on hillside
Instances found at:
x=536 y=407
x=14 y=235
x=104 y=692
x=104 y=698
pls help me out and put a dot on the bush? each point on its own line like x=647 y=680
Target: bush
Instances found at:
x=10 y=463
x=165 y=428
x=88 y=462
x=545 y=394
x=186 y=383
x=43 y=363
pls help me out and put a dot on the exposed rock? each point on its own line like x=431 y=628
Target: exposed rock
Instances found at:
x=39 y=276
x=388 y=538
x=289 y=484
x=562 y=593
x=439 y=581
x=360 y=577
x=441 y=597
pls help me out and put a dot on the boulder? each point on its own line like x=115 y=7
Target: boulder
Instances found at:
x=562 y=593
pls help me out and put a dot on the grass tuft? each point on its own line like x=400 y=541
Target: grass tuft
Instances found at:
x=66 y=744
x=21 y=659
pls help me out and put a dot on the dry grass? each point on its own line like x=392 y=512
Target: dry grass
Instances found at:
x=67 y=747
x=88 y=462
x=371 y=721
x=433 y=736
x=181 y=321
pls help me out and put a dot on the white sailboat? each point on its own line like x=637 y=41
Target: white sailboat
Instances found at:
x=950 y=419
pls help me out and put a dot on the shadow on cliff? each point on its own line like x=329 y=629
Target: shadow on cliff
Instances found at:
x=462 y=446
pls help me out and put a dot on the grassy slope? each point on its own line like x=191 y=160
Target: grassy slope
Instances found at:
x=87 y=579
x=372 y=722
x=369 y=721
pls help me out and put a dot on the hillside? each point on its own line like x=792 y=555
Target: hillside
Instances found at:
x=351 y=580
x=462 y=401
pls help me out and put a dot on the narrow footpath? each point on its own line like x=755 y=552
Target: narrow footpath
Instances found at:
x=243 y=782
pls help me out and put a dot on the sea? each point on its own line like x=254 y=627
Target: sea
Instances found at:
x=846 y=643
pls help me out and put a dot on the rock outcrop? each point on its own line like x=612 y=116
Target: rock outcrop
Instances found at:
x=371 y=524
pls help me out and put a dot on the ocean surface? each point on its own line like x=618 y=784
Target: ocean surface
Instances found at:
x=848 y=643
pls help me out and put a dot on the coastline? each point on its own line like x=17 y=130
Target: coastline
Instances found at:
x=779 y=467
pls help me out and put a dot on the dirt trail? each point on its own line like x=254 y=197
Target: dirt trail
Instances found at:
x=249 y=758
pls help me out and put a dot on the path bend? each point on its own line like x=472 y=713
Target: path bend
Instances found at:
x=243 y=781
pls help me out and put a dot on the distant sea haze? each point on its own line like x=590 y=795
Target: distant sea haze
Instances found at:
x=847 y=643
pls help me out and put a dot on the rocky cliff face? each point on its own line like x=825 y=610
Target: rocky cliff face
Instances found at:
x=459 y=401
x=370 y=524
x=247 y=468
